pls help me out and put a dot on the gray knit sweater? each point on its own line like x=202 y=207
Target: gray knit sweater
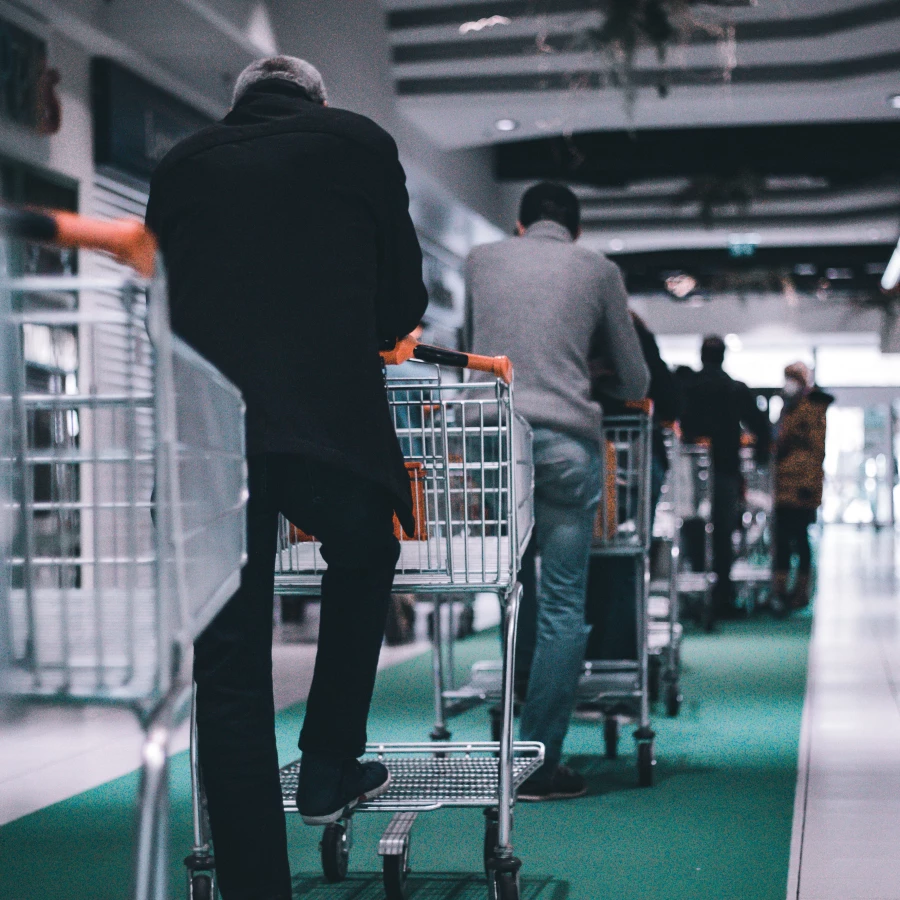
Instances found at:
x=547 y=304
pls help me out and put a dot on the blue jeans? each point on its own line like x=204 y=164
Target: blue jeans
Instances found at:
x=553 y=636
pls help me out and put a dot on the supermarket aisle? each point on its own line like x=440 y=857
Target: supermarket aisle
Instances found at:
x=50 y=753
x=846 y=836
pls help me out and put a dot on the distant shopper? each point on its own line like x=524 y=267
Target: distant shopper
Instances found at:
x=546 y=302
x=719 y=408
x=612 y=581
x=799 y=477
x=283 y=227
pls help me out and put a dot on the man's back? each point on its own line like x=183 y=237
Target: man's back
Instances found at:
x=291 y=257
x=718 y=407
x=540 y=300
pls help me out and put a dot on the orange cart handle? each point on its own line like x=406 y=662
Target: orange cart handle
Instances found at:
x=129 y=241
x=410 y=348
x=644 y=406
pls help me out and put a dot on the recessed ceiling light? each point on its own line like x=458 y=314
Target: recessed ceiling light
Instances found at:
x=894 y=100
x=506 y=124
x=616 y=245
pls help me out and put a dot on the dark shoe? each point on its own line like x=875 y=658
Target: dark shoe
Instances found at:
x=328 y=789
x=560 y=783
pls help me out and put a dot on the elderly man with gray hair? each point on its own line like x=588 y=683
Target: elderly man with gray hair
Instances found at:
x=292 y=261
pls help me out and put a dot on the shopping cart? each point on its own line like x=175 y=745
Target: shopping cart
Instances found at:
x=752 y=568
x=123 y=475
x=469 y=458
x=619 y=688
x=663 y=607
x=691 y=486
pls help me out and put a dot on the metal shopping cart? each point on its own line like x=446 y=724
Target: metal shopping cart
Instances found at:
x=123 y=478
x=663 y=606
x=471 y=470
x=691 y=487
x=752 y=569
x=619 y=688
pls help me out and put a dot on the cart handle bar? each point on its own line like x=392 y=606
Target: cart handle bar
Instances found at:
x=409 y=348
x=129 y=241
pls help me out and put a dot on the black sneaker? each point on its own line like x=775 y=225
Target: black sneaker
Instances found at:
x=560 y=783
x=328 y=789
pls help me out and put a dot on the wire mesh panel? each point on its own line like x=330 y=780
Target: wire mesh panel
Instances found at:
x=456 y=774
x=126 y=461
x=468 y=456
x=624 y=516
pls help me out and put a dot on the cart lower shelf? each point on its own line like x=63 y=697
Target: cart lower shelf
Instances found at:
x=434 y=775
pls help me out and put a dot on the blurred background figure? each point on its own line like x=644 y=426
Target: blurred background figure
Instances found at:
x=799 y=477
x=718 y=408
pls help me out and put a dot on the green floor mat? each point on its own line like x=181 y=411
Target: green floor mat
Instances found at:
x=715 y=827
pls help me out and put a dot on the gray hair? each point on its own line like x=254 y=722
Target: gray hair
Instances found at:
x=287 y=68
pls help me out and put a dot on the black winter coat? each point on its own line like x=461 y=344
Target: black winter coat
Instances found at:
x=292 y=260
x=719 y=408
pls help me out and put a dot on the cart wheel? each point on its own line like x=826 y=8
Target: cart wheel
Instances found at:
x=504 y=886
x=491 y=839
x=335 y=849
x=673 y=700
x=201 y=887
x=394 y=872
x=646 y=763
x=611 y=736
x=653 y=678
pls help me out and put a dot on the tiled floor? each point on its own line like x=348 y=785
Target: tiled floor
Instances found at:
x=846 y=841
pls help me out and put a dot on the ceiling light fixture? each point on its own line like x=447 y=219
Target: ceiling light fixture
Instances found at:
x=506 y=124
x=894 y=100
x=481 y=24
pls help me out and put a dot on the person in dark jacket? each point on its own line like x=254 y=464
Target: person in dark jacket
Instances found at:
x=612 y=581
x=719 y=408
x=799 y=480
x=292 y=261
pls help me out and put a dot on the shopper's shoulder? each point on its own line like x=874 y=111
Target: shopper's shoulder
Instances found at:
x=594 y=261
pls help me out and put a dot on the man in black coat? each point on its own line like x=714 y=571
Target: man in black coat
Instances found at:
x=292 y=261
x=719 y=408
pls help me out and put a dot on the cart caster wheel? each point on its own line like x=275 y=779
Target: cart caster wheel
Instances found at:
x=504 y=886
x=673 y=700
x=611 y=736
x=491 y=837
x=394 y=872
x=646 y=763
x=201 y=887
x=335 y=848
x=653 y=678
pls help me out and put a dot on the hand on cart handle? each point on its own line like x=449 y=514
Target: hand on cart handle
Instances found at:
x=410 y=348
x=129 y=241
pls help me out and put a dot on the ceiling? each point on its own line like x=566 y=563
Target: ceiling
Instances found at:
x=548 y=65
x=757 y=154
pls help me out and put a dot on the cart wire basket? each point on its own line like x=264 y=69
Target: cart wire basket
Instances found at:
x=617 y=688
x=123 y=482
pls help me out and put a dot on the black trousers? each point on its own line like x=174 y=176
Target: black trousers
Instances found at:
x=726 y=518
x=233 y=661
x=792 y=536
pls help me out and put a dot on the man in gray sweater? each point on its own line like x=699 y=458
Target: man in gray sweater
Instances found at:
x=553 y=307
